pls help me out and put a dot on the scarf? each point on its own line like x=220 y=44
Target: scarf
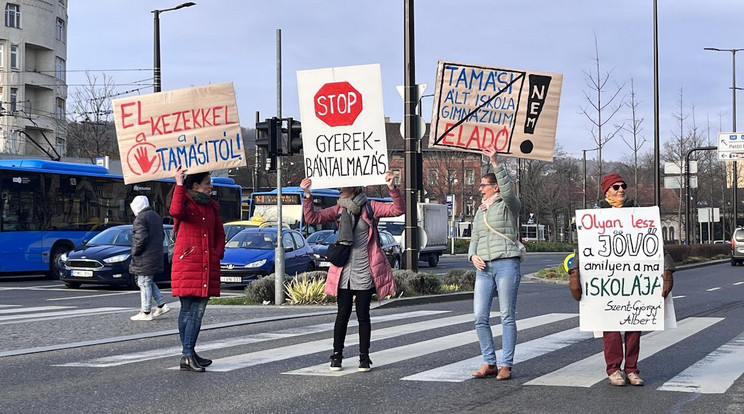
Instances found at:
x=199 y=197
x=486 y=203
x=346 y=222
x=615 y=201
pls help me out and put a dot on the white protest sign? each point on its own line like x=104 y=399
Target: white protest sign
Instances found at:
x=621 y=263
x=343 y=126
x=197 y=128
x=514 y=110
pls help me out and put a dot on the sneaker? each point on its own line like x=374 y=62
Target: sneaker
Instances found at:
x=616 y=378
x=141 y=316
x=634 y=379
x=160 y=310
x=336 y=361
x=364 y=363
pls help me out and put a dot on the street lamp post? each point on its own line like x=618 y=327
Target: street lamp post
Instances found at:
x=735 y=198
x=584 y=153
x=156 y=41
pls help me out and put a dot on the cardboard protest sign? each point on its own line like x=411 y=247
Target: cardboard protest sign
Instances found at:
x=197 y=128
x=476 y=106
x=621 y=262
x=343 y=126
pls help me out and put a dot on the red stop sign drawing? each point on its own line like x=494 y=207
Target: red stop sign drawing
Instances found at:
x=338 y=104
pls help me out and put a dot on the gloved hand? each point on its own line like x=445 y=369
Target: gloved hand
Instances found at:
x=574 y=283
x=668 y=283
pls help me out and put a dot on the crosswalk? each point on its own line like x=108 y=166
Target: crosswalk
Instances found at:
x=714 y=373
x=11 y=314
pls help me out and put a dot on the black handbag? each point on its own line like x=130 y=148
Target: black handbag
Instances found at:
x=338 y=253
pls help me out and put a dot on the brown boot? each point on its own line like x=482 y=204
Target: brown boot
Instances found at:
x=486 y=371
x=504 y=374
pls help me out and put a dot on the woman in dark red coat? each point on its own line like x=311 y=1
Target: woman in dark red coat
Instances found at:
x=200 y=244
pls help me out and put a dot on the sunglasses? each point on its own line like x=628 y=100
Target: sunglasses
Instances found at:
x=619 y=186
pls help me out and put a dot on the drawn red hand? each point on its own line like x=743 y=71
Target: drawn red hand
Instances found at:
x=143 y=160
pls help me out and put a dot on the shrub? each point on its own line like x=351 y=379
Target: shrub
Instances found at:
x=400 y=277
x=315 y=275
x=549 y=247
x=681 y=252
x=422 y=284
x=557 y=272
x=261 y=290
x=464 y=278
x=306 y=289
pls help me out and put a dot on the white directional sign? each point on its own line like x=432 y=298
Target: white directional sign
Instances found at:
x=730 y=146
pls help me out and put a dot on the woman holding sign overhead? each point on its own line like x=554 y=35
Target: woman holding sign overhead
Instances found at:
x=365 y=270
x=495 y=253
x=614 y=188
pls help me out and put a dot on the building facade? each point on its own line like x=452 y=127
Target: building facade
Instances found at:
x=33 y=88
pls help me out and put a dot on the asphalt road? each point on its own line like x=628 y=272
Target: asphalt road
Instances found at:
x=75 y=351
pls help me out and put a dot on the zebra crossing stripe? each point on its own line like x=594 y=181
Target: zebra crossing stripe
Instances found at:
x=117 y=360
x=589 y=371
x=33 y=309
x=462 y=370
x=713 y=374
x=306 y=348
x=60 y=314
x=401 y=353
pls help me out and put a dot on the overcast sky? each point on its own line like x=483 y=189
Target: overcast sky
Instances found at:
x=235 y=41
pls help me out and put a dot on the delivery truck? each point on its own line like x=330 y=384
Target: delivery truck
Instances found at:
x=432 y=224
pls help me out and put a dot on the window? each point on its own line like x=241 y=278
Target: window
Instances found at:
x=2 y=55
x=396 y=177
x=14 y=60
x=469 y=176
x=59 y=68
x=433 y=177
x=60 y=29
x=470 y=208
x=60 y=147
x=13 y=99
x=60 y=111
x=13 y=15
x=451 y=176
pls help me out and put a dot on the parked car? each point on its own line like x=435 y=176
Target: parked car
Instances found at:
x=104 y=259
x=250 y=254
x=318 y=237
x=737 y=247
x=234 y=227
x=389 y=245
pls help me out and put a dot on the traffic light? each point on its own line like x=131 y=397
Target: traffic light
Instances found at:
x=294 y=137
x=268 y=134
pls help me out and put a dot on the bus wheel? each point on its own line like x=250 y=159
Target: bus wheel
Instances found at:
x=72 y=285
x=54 y=269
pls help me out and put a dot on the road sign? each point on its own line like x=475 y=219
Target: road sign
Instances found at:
x=338 y=104
x=730 y=146
x=567 y=261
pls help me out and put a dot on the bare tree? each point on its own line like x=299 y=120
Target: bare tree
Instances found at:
x=91 y=133
x=600 y=110
x=634 y=141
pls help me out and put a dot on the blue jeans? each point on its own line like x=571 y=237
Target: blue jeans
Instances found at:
x=190 y=320
x=503 y=275
x=148 y=292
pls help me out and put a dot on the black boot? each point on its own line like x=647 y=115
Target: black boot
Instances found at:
x=188 y=363
x=202 y=361
x=364 y=363
x=336 y=359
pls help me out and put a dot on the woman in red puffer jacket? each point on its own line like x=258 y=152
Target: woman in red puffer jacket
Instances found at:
x=200 y=244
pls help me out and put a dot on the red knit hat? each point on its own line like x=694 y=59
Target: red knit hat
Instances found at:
x=610 y=179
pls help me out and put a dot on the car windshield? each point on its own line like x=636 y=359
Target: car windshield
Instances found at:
x=252 y=240
x=394 y=227
x=330 y=239
x=318 y=236
x=114 y=235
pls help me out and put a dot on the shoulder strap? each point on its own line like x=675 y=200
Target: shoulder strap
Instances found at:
x=370 y=212
x=494 y=230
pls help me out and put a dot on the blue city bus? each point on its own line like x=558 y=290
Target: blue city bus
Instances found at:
x=49 y=207
x=263 y=205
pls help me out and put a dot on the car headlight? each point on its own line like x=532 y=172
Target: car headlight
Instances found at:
x=256 y=264
x=117 y=258
x=63 y=257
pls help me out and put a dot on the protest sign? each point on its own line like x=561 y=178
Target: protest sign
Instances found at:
x=197 y=128
x=621 y=263
x=476 y=106
x=343 y=126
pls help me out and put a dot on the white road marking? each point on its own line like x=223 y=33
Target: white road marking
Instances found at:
x=589 y=371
